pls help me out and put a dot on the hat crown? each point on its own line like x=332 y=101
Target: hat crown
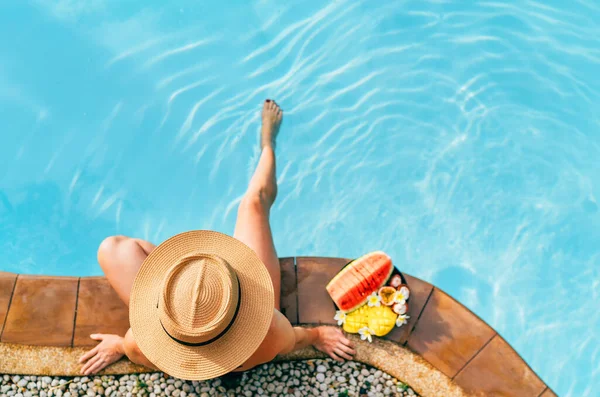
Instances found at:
x=199 y=298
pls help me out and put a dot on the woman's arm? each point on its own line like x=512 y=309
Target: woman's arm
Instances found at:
x=134 y=353
x=110 y=349
x=304 y=337
x=330 y=340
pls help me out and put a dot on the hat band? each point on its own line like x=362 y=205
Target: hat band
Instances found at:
x=237 y=308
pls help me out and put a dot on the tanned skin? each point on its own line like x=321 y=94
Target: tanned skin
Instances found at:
x=121 y=257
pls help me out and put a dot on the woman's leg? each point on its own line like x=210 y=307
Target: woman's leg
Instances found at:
x=252 y=225
x=120 y=258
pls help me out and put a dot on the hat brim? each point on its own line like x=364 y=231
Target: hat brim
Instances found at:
x=240 y=341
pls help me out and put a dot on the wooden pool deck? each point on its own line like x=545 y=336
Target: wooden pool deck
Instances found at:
x=45 y=322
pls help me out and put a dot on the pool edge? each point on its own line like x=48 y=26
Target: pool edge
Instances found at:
x=453 y=342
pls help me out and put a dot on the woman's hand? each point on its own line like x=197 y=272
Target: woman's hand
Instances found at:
x=109 y=350
x=331 y=340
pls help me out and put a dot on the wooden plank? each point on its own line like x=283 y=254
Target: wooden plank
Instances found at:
x=314 y=303
x=548 y=393
x=99 y=310
x=499 y=371
x=7 y=285
x=289 y=289
x=42 y=311
x=448 y=335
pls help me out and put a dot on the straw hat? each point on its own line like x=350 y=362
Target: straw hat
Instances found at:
x=200 y=305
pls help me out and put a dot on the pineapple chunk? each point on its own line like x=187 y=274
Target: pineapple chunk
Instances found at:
x=356 y=319
x=381 y=320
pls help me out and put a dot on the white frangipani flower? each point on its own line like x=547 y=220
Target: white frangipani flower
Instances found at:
x=366 y=334
x=399 y=296
x=401 y=320
x=340 y=317
x=374 y=300
x=405 y=292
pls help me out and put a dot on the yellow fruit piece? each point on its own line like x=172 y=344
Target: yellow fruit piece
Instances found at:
x=380 y=320
x=356 y=319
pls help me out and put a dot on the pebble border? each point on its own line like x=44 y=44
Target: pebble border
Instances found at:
x=386 y=356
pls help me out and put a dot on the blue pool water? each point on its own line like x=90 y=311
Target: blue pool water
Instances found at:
x=463 y=138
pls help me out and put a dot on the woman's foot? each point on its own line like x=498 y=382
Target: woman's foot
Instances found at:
x=271 y=120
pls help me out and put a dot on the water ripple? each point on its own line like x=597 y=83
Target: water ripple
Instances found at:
x=179 y=50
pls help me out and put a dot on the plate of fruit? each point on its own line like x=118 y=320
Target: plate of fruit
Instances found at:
x=371 y=296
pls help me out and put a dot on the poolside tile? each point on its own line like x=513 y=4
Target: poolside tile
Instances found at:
x=7 y=283
x=447 y=334
x=99 y=310
x=314 y=303
x=289 y=303
x=499 y=371
x=548 y=393
x=419 y=293
x=42 y=311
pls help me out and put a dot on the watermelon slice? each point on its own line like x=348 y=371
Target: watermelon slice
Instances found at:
x=351 y=287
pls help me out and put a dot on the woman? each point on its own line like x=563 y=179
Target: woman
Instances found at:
x=122 y=257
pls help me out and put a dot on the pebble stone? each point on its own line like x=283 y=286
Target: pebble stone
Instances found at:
x=291 y=379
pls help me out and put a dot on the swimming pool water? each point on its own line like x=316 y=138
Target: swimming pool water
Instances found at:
x=463 y=138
